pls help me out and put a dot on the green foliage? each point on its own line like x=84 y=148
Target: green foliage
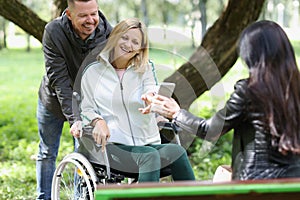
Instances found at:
x=161 y=12
x=21 y=73
x=206 y=157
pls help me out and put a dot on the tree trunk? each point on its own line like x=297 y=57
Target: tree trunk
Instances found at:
x=2 y=21
x=19 y=14
x=144 y=8
x=203 y=18
x=28 y=49
x=4 y=35
x=58 y=7
x=217 y=52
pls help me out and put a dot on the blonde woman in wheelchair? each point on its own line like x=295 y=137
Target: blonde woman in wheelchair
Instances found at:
x=111 y=90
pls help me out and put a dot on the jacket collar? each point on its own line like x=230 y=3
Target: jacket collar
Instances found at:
x=104 y=58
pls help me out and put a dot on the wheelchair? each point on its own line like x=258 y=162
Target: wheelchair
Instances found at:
x=78 y=174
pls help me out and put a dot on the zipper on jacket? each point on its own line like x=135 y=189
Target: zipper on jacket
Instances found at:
x=122 y=96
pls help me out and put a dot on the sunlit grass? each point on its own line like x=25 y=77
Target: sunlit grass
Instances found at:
x=20 y=77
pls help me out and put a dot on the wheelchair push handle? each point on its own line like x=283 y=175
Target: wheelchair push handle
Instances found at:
x=87 y=130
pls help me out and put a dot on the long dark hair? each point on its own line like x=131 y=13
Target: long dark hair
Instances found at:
x=274 y=82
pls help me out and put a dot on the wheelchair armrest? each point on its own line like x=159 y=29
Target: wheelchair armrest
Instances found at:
x=165 y=125
x=169 y=126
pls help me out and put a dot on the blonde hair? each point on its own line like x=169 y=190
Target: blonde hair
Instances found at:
x=140 y=61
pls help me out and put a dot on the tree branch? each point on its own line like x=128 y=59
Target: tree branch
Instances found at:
x=25 y=18
x=217 y=52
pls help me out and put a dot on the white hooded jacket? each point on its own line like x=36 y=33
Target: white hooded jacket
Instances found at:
x=106 y=96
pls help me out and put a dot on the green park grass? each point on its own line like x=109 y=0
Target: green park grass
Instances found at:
x=20 y=75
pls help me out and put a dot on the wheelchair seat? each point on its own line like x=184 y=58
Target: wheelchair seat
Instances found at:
x=77 y=175
x=117 y=176
x=104 y=160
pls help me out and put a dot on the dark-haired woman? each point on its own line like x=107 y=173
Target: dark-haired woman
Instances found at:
x=263 y=110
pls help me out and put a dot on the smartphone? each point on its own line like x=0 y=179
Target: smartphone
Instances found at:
x=166 y=89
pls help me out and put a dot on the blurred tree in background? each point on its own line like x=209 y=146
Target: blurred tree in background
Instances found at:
x=219 y=39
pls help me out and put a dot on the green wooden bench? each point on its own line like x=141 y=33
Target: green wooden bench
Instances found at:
x=276 y=189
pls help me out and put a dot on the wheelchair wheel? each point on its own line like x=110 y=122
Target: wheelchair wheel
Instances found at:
x=74 y=178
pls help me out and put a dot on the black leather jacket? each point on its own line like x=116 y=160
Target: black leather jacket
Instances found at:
x=253 y=156
x=64 y=52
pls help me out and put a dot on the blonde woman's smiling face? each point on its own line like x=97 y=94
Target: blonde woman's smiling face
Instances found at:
x=128 y=45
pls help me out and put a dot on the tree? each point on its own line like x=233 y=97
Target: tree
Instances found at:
x=24 y=17
x=3 y=30
x=219 y=41
x=59 y=7
x=144 y=8
x=202 y=8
